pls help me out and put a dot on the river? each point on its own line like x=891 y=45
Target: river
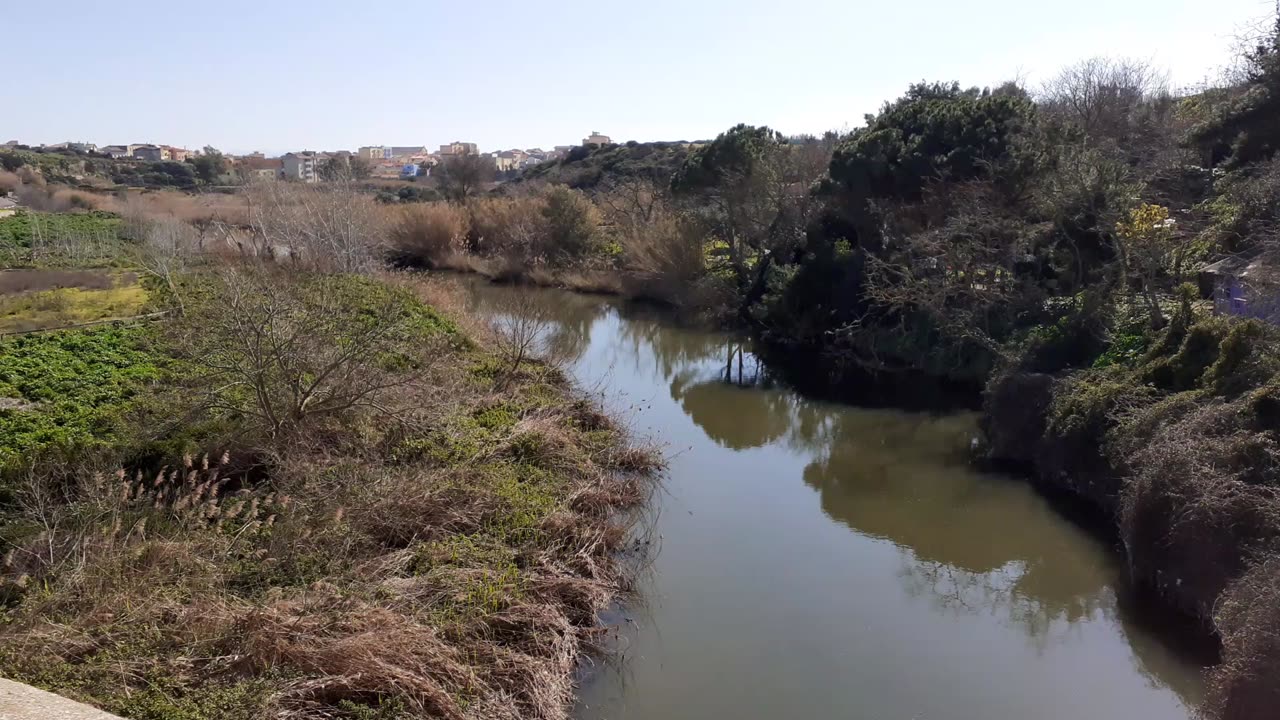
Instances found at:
x=816 y=560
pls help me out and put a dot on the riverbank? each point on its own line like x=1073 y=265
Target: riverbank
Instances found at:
x=881 y=520
x=1161 y=441
x=1174 y=441
x=310 y=494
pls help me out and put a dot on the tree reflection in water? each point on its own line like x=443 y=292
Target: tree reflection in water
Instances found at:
x=969 y=542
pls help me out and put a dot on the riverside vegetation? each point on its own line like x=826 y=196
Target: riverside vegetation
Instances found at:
x=303 y=492
x=1031 y=251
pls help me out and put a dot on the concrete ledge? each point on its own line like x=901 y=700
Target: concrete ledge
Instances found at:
x=23 y=702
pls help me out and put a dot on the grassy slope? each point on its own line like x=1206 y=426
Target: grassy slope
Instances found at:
x=448 y=566
x=18 y=232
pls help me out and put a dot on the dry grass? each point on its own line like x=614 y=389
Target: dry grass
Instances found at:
x=1243 y=686
x=199 y=208
x=1201 y=500
x=425 y=233
x=508 y=227
x=450 y=566
x=13 y=282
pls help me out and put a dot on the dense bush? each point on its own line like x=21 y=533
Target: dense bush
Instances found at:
x=424 y=234
x=572 y=226
x=1245 y=130
x=933 y=133
x=159 y=174
x=588 y=168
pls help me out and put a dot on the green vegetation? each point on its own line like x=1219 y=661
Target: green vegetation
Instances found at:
x=69 y=306
x=589 y=168
x=157 y=174
x=24 y=229
x=70 y=390
x=70 y=166
x=40 y=239
x=309 y=494
x=1032 y=250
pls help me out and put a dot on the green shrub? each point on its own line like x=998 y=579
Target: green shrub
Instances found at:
x=71 y=389
x=572 y=224
x=1197 y=351
x=1246 y=358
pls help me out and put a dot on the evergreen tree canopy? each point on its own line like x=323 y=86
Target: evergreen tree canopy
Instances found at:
x=734 y=154
x=934 y=132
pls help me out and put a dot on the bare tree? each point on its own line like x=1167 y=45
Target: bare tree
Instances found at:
x=461 y=176
x=1101 y=95
x=164 y=250
x=962 y=274
x=630 y=200
x=523 y=331
x=329 y=227
x=282 y=350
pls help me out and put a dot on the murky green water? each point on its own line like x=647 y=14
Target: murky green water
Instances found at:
x=825 y=561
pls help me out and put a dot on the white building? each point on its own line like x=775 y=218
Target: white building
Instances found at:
x=595 y=138
x=374 y=153
x=300 y=167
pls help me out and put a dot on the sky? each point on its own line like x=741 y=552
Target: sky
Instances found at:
x=279 y=75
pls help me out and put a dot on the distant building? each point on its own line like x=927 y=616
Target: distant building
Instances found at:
x=300 y=167
x=409 y=170
x=374 y=153
x=117 y=151
x=177 y=154
x=76 y=146
x=260 y=168
x=8 y=206
x=404 y=151
x=1243 y=285
x=387 y=169
x=460 y=148
x=595 y=138
x=509 y=160
x=151 y=153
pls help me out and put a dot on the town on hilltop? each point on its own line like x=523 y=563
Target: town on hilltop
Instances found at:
x=378 y=161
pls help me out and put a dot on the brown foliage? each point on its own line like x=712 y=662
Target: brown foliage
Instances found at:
x=13 y=282
x=426 y=233
x=512 y=227
x=331 y=227
x=1243 y=686
x=424 y=563
x=203 y=208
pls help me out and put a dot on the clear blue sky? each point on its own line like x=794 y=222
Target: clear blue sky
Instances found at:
x=286 y=74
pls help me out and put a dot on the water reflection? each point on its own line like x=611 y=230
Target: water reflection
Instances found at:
x=969 y=546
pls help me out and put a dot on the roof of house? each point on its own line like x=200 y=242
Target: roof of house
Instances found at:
x=257 y=163
x=1240 y=265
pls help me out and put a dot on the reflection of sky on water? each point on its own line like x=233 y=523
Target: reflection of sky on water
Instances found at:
x=967 y=549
